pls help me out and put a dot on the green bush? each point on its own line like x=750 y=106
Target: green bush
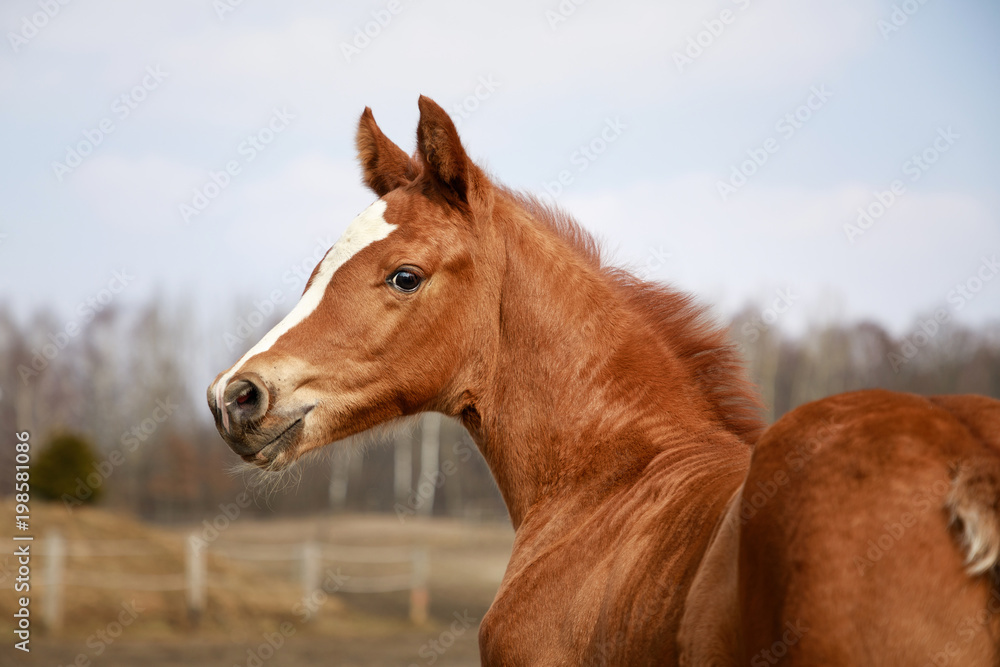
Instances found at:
x=62 y=467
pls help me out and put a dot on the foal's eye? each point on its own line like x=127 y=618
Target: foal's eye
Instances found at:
x=405 y=280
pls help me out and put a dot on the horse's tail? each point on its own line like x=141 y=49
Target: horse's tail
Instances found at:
x=973 y=506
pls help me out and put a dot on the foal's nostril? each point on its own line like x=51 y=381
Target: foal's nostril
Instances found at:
x=245 y=400
x=249 y=393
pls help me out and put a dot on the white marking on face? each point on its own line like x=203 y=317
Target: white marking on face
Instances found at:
x=367 y=228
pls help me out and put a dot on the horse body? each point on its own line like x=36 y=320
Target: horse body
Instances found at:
x=844 y=545
x=864 y=546
x=654 y=523
x=603 y=581
x=630 y=463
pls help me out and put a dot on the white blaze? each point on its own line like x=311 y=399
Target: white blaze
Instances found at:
x=367 y=228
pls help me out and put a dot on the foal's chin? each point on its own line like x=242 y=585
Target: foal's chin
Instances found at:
x=272 y=450
x=273 y=462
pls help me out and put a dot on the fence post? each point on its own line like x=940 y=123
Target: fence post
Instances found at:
x=55 y=565
x=339 y=477
x=195 y=574
x=419 y=596
x=310 y=569
x=430 y=461
x=402 y=477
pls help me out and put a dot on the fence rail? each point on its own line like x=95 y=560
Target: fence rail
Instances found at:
x=132 y=582
x=195 y=581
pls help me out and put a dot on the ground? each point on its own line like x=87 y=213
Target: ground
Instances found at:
x=249 y=603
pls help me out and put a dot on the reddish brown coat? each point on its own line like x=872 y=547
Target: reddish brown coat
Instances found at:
x=655 y=524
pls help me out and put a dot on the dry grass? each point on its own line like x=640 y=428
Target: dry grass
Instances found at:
x=245 y=599
x=237 y=598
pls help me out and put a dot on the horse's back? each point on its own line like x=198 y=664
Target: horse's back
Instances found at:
x=869 y=533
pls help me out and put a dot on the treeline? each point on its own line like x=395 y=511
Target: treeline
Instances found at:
x=936 y=356
x=132 y=382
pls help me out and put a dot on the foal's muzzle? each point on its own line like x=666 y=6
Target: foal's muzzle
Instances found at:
x=245 y=401
x=243 y=421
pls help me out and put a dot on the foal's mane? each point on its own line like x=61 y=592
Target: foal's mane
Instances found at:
x=684 y=325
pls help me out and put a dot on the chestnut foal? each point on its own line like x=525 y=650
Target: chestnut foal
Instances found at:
x=657 y=523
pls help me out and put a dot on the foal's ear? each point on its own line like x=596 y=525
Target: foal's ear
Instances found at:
x=441 y=150
x=385 y=165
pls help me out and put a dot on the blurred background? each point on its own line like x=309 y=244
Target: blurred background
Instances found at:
x=822 y=174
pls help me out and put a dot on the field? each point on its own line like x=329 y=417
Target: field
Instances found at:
x=253 y=606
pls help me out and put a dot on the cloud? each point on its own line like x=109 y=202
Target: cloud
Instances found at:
x=133 y=194
x=557 y=84
x=756 y=50
x=780 y=236
x=222 y=69
x=309 y=195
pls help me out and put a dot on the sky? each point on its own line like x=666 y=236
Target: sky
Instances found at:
x=837 y=157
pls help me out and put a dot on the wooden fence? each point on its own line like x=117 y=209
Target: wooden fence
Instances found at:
x=194 y=581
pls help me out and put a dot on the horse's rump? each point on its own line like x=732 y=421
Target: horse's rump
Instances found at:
x=869 y=533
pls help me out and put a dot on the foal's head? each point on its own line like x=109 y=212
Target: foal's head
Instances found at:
x=395 y=319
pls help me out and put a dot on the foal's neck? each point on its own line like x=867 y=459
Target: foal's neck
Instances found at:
x=585 y=391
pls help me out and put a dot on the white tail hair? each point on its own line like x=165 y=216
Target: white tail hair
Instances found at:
x=972 y=505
